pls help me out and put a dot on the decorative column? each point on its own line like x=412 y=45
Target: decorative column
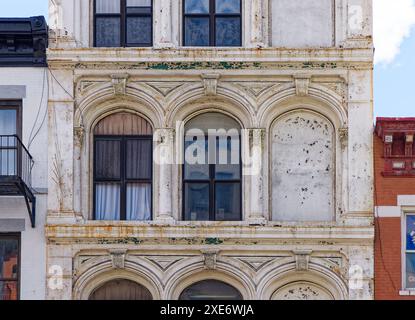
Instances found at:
x=163 y=24
x=256 y=176
x=163 y=159
x=255 y=16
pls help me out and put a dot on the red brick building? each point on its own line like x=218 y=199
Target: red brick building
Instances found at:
x=394 y=149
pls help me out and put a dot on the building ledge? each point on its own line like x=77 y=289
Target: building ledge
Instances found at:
x=407 y=292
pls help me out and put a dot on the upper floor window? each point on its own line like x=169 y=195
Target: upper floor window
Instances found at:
x=410 y=252
x=212 y=171
x=10 y=127
x=212 y=23
x=123 y=168
x=123 y=23
x=9 y=267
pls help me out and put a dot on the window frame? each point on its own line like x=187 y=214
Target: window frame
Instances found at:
x=212 y=182
x=123 y=15
x=405 y=251
x=17 y=237
x=14 y=105
x=212 y=15
x=123 y=181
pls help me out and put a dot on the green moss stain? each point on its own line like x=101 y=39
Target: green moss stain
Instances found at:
x=213 y=241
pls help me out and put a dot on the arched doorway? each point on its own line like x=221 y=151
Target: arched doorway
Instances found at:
x=121 y=289
x=210 y=290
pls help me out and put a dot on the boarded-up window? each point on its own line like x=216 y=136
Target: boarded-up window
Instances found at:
x=302 y=167
x=302 y=23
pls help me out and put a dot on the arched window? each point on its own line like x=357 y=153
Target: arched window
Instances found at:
x=210 y=290
x=121 y=289
x=212 y=171
x=302 y=167
x=123 y=168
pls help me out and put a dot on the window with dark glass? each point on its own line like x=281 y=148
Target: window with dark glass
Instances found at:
x=123 y=168
x=10 y=129
x=9 y=266
x=212 y=23
x=410 y=251
x=211 y=290
x=212 y=171
x=123 y=23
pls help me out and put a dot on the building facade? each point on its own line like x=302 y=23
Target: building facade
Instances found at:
x=395 y=209
x=23 y=157
x=135 y=85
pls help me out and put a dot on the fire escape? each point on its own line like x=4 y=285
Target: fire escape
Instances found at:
x=16 y=165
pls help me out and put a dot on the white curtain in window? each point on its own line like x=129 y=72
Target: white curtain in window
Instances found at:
x=108 y=6
x=138 y=202
x=107 y=202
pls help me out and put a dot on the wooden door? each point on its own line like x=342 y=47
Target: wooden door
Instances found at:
x=121 y=290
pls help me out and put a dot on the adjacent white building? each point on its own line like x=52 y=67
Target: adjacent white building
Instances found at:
x=128 y=78
x=23 y=158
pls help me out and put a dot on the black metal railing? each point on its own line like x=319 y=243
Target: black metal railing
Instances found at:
x=15 y=159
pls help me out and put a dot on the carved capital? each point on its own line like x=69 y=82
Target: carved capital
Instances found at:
x=210 y=82
x=164 y=136
x=344 y=136
x=210 y=258
x=79 y=134
x=118 y=258
x=302 y=84
x=119 y=83
x=302 y=259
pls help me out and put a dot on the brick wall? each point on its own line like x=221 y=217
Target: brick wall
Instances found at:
x=388 y=248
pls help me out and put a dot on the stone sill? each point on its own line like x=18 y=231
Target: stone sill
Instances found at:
x=407 y=292
x=197 y=54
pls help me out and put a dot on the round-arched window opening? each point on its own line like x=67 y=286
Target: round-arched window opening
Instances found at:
x=210 y=290
x=121 y=289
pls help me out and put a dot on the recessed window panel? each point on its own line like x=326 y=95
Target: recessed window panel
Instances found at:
x=228 y=31
x=197 y=31
x=410 y=232
x=197 y=201
x=108 y=6
x=410 y=270
x=197 y=6
x=228 y=202
x=228 y=6
x=108 y=31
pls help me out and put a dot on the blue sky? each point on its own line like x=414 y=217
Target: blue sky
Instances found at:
x=394 y=84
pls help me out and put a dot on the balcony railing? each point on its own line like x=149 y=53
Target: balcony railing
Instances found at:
x=16 y=165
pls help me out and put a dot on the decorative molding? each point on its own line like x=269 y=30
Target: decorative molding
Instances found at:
x=302 y=259
x=302 y=84
x=210 y=257
x=119 y=83
x=118 y=258
x=344 y=136
x=164 y=262
x=165 y=87
x=257 y=263
x=79 y=134
x=210 y=83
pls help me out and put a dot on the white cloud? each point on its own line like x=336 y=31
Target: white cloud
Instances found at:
x=393 y=20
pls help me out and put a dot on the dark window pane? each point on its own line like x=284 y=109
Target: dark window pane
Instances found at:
x=227 y=158
x=108 y=32
x=228 y=6
x=228 y=201
x=197 y=6
x=139 y=10
x=197 y=201
x=107 y=159
x=410 y=271
x=8 y=120
x=9 y=252
x=8 y=290
x=108 y=6
x=196 y=31
x=210 y=290
x=196 y=165
x=228 y=31
x=138 y=202
x=139 y=30
x=139 y=159
x=410 y=232
x=107 y=201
